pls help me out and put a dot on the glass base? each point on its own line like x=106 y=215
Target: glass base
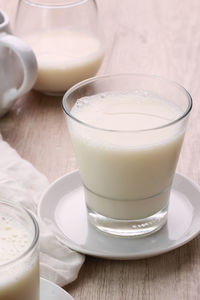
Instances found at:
x=53 y=94
x=128 y=228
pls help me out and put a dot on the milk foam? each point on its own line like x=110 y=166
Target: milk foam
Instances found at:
x=128 y=113
x=14 y=240
x=125 y=111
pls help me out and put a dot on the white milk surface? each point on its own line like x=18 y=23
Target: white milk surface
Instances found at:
x=19 y=280
x=127 y=173
x=64 y=57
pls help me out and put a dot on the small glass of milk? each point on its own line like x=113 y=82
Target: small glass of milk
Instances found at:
x=66 y=38
x=19 y=254
x=127 y=131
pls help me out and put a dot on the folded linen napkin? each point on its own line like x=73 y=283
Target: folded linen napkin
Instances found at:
x=22 y=183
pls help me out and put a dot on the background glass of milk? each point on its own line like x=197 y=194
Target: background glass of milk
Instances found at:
x=66 y=38
x=127 y=131
x=19 y=254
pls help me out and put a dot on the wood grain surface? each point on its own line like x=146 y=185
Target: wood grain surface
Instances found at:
x=147 y=36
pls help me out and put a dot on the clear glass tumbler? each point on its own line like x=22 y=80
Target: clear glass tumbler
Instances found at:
x=19 y=254
x=127 y=131
x=67 y=40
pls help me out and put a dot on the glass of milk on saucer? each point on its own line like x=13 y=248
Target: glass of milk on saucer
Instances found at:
x=19 y=254
x=127 y=131
x=66 y=38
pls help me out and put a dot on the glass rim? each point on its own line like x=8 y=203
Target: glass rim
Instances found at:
x=95 y=78
x=36 y=232
x=70 y=3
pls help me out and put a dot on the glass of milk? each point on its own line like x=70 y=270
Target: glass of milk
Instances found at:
x=66 y=38
x=127 y=131
x=19 y=254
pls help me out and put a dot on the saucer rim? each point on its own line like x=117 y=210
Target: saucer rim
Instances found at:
x=118 y=255
x=45 y=283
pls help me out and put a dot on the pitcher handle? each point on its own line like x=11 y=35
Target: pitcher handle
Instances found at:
x=28 y=62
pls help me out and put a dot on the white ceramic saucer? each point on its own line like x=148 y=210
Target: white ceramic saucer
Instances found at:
x=63 y=209
x=51 y=291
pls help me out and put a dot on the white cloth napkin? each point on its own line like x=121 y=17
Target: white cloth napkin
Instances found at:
x=22 y=183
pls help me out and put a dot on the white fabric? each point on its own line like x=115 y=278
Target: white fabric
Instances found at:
x=22 y=183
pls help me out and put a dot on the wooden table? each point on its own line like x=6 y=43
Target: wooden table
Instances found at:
x=147 y=36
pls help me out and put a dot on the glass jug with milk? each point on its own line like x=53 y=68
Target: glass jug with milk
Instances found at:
x=66 y=38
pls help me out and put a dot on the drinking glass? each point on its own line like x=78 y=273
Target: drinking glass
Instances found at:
x=66 y=38
x=19 y=249
x=127 y=131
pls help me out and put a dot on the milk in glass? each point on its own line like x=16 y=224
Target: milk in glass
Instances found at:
x=64 y=57
x=127 y=169
x=19 y=280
